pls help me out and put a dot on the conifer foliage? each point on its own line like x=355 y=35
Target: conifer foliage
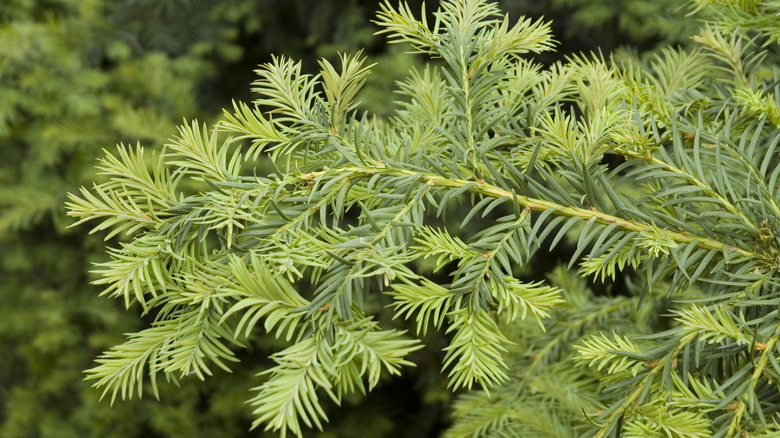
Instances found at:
x=76 y=76
x=663 y=172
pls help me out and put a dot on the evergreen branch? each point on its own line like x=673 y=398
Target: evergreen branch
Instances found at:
x=711 y=326
x=130 y=177
x=730 y=51
x=475 y=352
x=169 y=346
x=426 y=101
x=607 y=354
x=433 y=243
x=614 y=260
x=201 y=154
x=261 y=294
x=252 y=125
x=692 y=180
x=429 y=300
x=533 y=204
x=288 y=92
x=756 y=102
x=552 y=408
x=353 y=205
x=121 y=369
x=402 y=27
x=653 y=369
x=481 y=415
x=120 y=215
x=516 y=299
x=341 y=88
x=289 y=397
x=138 y=268
x=198 y=337
x=573 y=325
x=371 y=351
x=659 y=420
x=629 y=401
x=678 y=71
x=746 y=399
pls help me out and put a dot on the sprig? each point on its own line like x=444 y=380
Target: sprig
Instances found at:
x=662 y=176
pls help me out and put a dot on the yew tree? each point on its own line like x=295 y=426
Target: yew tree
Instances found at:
x=301 y=216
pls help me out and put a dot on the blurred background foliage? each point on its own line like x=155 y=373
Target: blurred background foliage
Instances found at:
x=77 y=76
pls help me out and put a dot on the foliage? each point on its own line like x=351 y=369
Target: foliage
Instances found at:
x=662 y=173
x=75 y=76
